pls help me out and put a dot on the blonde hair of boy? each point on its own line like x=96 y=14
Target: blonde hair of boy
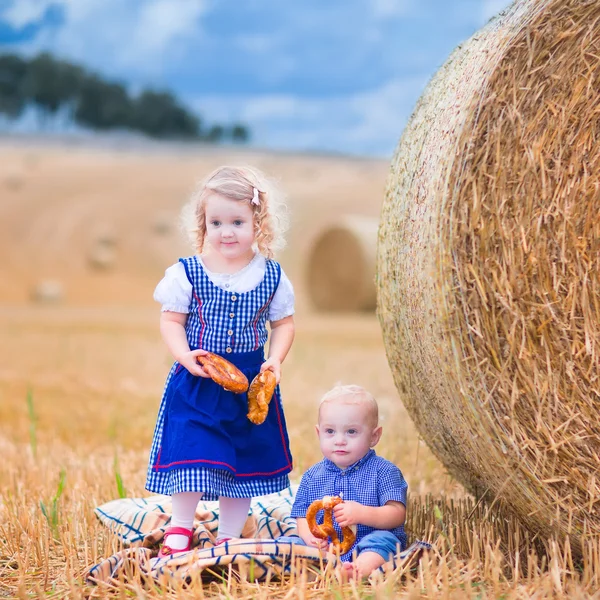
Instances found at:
x=239 y=183
x=352 y=394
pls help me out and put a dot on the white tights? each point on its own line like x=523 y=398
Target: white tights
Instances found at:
x=233 y=513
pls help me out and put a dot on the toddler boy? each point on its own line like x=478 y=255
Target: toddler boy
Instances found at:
x=373 y=488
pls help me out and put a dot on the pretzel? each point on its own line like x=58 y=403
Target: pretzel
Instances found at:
x=259 y=395
x=223 y=372
x=326 y=530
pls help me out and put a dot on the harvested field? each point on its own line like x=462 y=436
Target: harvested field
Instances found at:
x=81 y=378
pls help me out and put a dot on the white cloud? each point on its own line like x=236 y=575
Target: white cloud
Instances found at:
x=292 y=75
x=134 y=35
x=363 y=123
x=24 y=12
x=383 y=9
x=160 y=25
x=490 y=8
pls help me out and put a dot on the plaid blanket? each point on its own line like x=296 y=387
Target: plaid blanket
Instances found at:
x=140 y=523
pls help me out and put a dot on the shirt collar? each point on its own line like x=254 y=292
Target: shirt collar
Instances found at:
x=331 y=466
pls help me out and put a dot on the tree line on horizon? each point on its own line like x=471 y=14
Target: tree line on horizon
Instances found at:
x=52 y=85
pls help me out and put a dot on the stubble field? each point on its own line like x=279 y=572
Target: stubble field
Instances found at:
x=81 y=376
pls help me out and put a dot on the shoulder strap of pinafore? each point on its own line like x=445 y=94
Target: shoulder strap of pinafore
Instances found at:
x=273 y=269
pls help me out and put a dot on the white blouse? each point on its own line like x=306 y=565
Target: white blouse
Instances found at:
x=174 y=291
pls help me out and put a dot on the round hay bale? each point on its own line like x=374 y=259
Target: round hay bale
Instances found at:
x=14 y=181
x=489 y=260
x=105 y=236
x=48 y=291
x=102 y=257
x=341 y=266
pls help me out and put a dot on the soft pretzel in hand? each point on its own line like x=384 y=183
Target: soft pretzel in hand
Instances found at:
x=259 y=395
x=223 y=372
x=327 y=530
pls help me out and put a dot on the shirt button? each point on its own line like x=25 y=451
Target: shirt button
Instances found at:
x=231 y=315
x=228 y=350
x=230 y=332
x=233 y=298
x=226 y=285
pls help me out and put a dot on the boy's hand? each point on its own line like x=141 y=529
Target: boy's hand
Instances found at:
x=317 y=543
x=188 y=360
x=272 y=364
x=348 y=513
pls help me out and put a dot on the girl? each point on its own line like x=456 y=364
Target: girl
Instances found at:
x=219 y=301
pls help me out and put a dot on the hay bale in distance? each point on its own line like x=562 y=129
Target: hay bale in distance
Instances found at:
x=48 y=291
x=341 y=266
x=105 y=237
x=489 y=262
x=102 y=257
x=14 y=181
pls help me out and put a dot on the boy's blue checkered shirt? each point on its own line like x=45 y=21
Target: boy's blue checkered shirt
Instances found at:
x=372 y=481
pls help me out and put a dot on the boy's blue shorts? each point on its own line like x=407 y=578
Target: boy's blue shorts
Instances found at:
x=384 y=543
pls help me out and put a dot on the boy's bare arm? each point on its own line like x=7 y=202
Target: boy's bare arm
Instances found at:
x=392 y=514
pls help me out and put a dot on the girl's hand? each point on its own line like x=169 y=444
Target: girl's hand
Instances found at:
x=348 y=513
x=188 y=360
x=272 y=364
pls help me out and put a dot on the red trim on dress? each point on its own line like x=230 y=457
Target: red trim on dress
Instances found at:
x=287 y=456
x=216 y=462
x=258 y=315
x=183 y=462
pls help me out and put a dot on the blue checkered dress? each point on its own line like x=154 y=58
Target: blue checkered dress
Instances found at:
x=203 y=440
x=372 y=481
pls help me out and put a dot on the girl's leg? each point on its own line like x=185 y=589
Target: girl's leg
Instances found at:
x=184 y=510
x=233 y=513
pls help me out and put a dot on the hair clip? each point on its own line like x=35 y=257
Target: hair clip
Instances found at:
x=255 y=199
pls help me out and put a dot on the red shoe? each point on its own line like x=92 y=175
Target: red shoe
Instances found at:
x=167 y=550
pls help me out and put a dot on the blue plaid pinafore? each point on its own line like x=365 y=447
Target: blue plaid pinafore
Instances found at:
x=203 y=441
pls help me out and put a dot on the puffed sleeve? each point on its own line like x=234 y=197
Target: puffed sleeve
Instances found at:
x=174 y=290
x=282 y=304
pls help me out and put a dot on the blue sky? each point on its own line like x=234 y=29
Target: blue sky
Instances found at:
x=325 y=75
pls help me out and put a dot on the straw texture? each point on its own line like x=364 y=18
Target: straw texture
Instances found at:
x=488 y=262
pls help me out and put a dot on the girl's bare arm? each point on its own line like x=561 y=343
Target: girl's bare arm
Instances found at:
x=282 y=336
x=172 y=329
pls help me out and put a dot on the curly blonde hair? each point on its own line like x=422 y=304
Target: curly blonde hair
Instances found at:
x=239 y=183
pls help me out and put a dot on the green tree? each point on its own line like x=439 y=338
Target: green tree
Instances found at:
x=215 y=134
x=13 y=70
x=103 y=105
x=51 y=84
x=240 y=133
x=158 y=114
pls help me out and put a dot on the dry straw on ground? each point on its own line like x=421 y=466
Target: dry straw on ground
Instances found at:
x=341 y=265
x=488 y=263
